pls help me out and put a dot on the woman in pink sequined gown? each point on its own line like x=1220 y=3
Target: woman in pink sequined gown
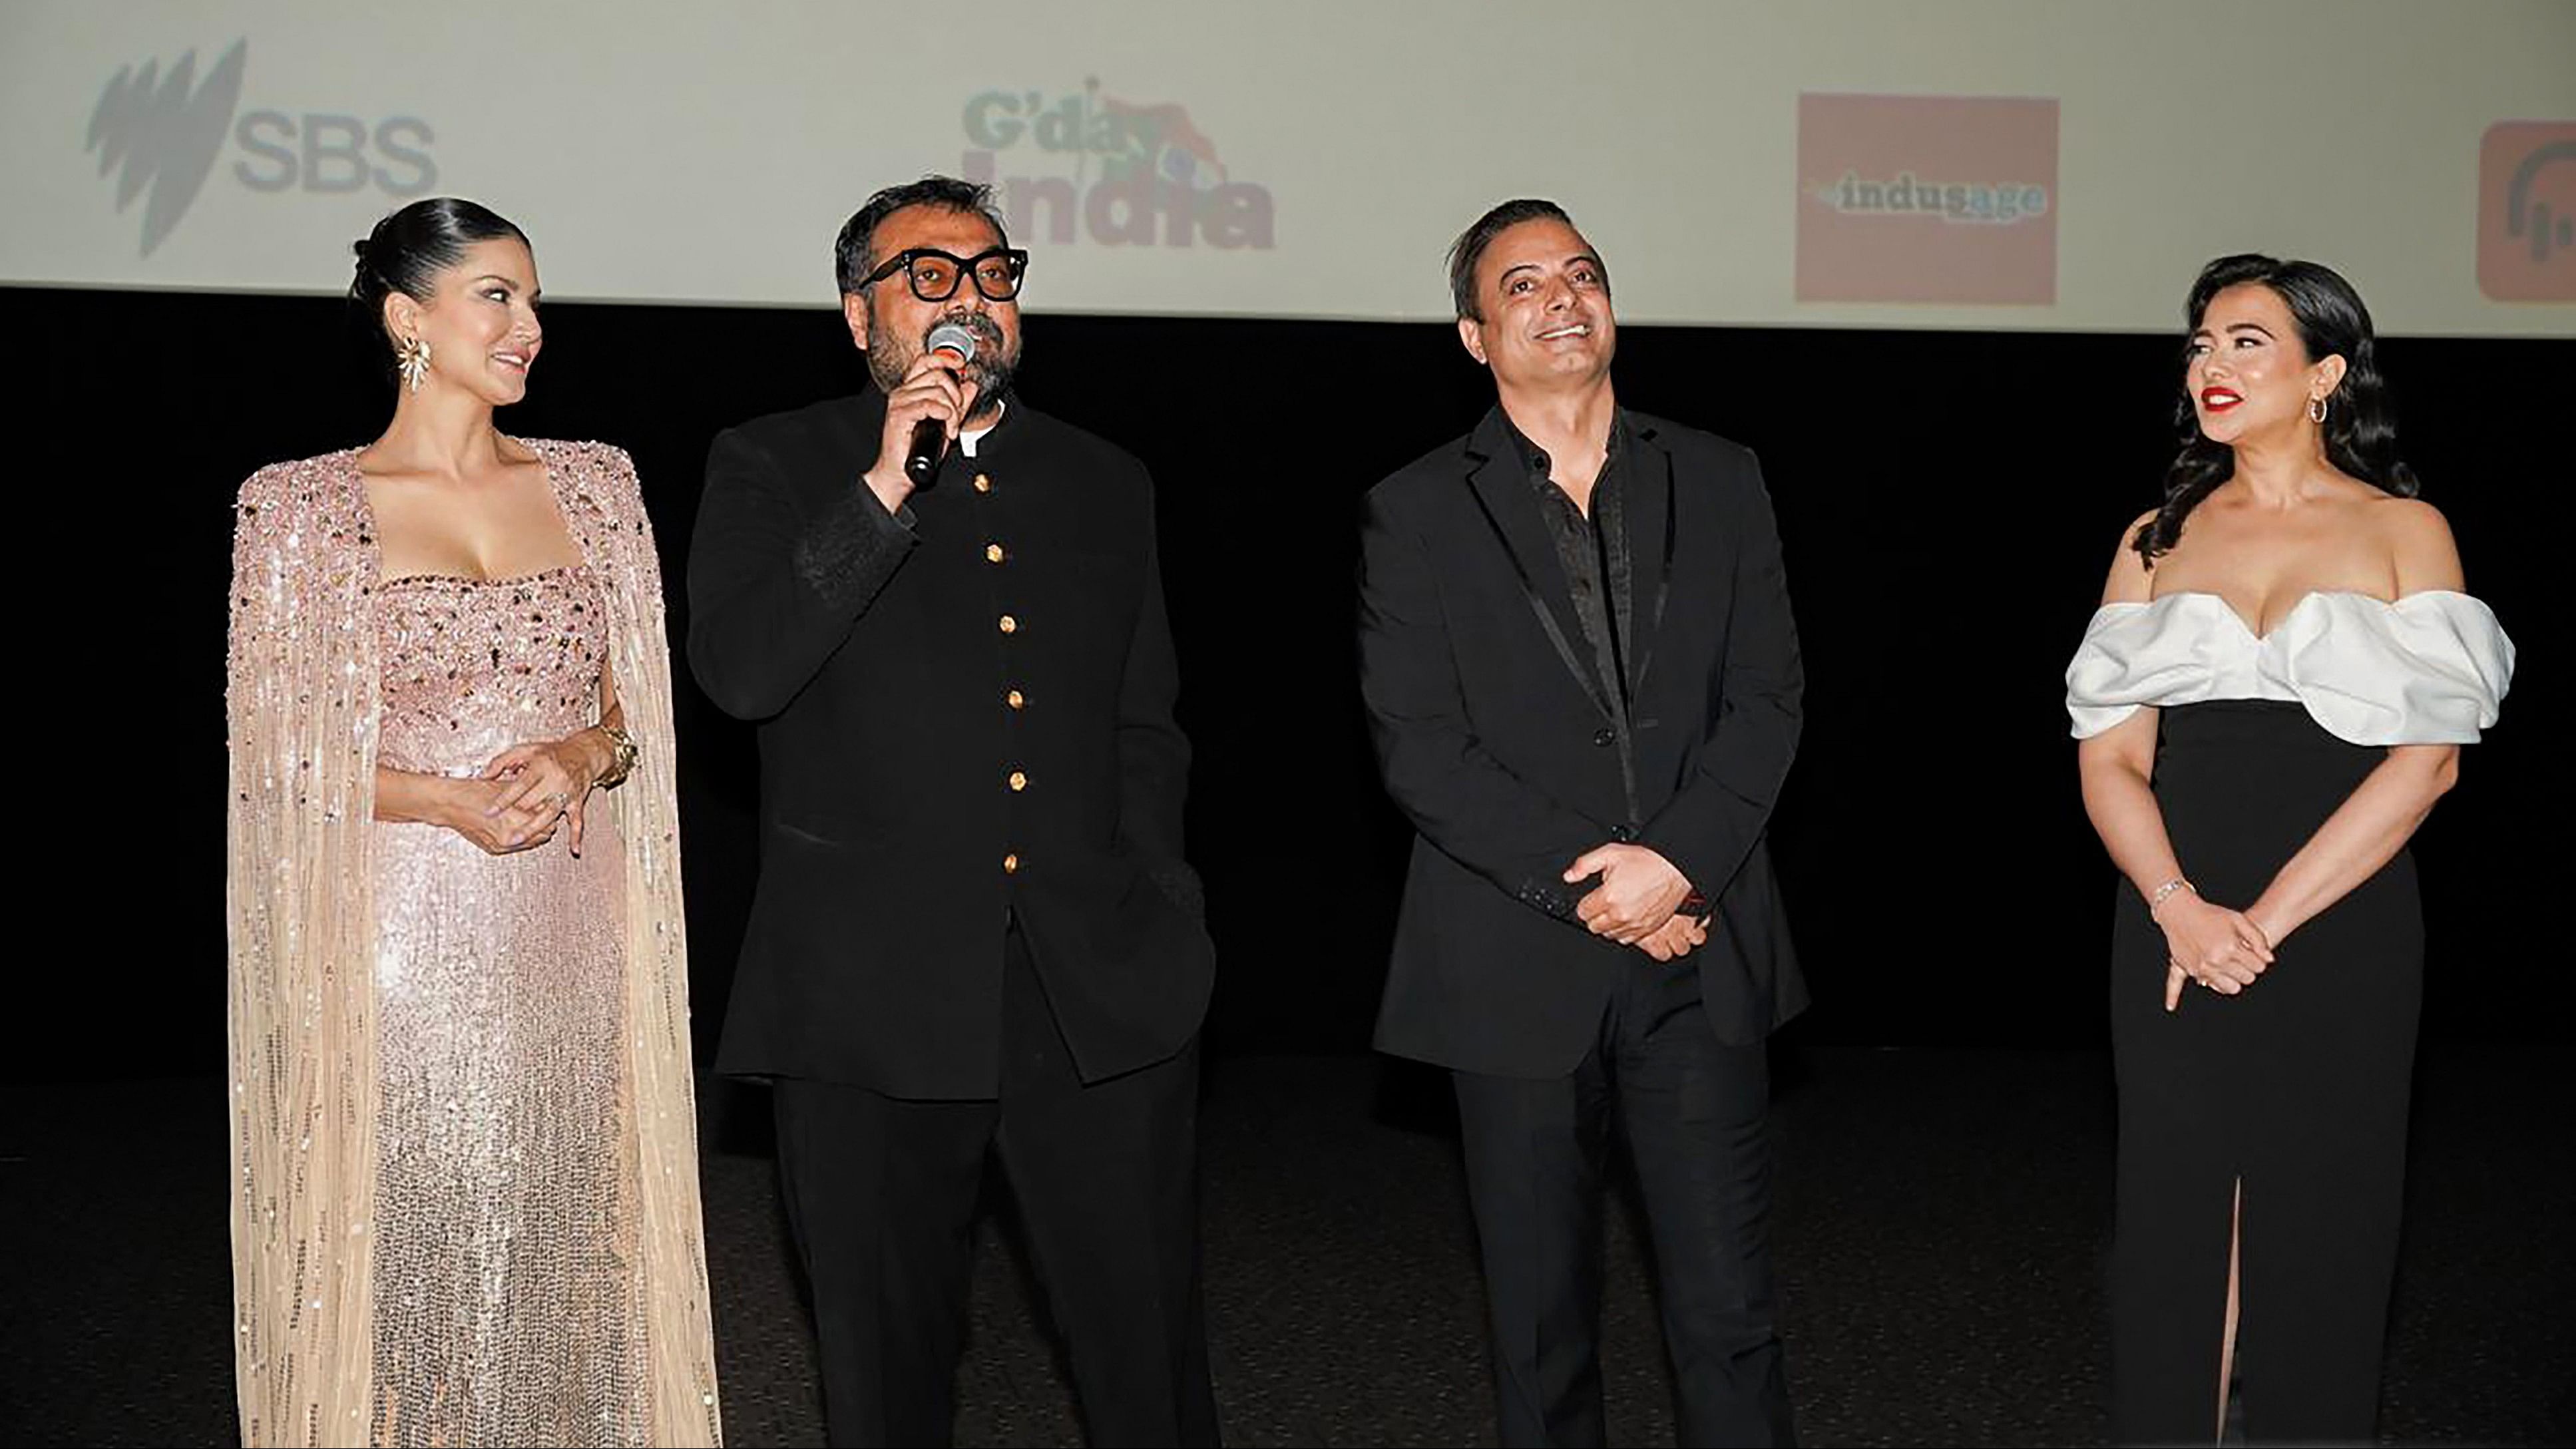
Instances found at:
x=466 y=1204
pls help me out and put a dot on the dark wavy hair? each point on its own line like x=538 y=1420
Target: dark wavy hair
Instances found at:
x=409 y=248
x=2360 y=432
x=1469 y=248
x=850 y=248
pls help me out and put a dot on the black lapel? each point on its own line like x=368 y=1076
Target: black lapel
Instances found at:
x=1498 y=480
x=1650 y=517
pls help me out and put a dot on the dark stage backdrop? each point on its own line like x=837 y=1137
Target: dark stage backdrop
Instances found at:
x=1949 y=503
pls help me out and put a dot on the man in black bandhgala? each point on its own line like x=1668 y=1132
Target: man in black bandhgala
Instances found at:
x=974 y=931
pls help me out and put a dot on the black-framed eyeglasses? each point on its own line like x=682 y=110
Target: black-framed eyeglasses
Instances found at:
x=934 y=274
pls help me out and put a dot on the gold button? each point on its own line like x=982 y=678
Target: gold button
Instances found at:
x=1010 y=625
x=992 y=553
x=1019 y=780
x=1010 y=865
x=983 y=484
x=1016 y=700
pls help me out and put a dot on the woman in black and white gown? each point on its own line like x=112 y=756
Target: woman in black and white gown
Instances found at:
x=2270 y=699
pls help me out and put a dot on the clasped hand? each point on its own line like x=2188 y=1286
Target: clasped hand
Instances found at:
x=2221 y=949
x=1635 y=902
x=524 y=796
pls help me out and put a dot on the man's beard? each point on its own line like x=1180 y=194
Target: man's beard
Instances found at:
x=991 y=372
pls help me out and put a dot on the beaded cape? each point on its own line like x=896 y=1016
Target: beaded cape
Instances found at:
x=302 y=702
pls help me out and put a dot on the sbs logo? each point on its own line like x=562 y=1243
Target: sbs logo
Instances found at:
x=164 y=132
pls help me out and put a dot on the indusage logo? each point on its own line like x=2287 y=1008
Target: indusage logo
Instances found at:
x=163 y=133
x=1974 y=202
x=1128 y=174
x=1927 y=199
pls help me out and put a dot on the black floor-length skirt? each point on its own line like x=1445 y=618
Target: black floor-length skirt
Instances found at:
x=2295 y=1091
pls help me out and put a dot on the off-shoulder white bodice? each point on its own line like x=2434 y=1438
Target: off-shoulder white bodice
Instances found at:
x=2429 y=669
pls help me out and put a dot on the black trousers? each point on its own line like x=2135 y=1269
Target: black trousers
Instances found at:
x=1692 y=1112
x=881 y=1196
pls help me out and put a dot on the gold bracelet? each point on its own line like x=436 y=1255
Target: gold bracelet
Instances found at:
x=2167 y=889
x=622 y=756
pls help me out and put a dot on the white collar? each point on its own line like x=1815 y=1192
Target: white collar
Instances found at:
x=967 y=440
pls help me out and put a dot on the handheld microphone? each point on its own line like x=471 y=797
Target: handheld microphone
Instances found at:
x=930 y=435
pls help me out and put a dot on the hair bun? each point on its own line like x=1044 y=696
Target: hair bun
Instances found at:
x=407 y=249
x=367 y=284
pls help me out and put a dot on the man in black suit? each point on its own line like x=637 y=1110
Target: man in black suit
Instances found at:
x=974 y=930
x=1583 y=681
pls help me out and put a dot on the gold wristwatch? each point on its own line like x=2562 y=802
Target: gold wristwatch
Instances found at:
x=622 y=752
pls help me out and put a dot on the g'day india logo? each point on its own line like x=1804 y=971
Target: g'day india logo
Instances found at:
x=2527 y=212
x=162 y=133
x=1117 y=173
x=1927 y=199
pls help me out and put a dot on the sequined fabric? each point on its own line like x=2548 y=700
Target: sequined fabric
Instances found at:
x=508 y=1298
x=466 y=1205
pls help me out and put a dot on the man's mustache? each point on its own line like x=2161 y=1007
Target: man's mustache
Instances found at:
x=988 y=333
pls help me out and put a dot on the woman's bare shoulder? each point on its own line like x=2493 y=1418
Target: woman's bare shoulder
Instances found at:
x=2422 y=553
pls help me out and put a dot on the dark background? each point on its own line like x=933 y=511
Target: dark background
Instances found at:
x=1949 y=503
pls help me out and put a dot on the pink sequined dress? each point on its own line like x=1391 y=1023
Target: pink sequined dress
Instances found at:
x=503 y=1149
x=465 y=1205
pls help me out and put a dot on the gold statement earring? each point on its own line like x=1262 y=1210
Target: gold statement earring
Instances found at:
x=2316 y=410
x=411 y=359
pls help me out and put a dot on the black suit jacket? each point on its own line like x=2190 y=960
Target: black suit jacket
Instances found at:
x=1497 y=742
x=924 y=771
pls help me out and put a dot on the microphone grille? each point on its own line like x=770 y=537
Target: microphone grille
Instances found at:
x=953 y=338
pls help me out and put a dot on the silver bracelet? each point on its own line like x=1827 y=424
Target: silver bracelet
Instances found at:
x=2157 y=897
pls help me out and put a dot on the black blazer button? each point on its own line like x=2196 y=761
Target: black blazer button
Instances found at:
x=1624 y=834
x=1605 y=738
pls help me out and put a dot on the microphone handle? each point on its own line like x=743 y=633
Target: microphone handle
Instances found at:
x=929 y=444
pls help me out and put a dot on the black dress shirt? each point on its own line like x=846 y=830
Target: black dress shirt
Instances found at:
x=1593 y=549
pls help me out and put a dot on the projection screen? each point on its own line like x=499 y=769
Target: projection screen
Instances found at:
x=1986 y=164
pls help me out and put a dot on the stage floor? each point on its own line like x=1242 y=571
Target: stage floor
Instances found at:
x=1939 y=1227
